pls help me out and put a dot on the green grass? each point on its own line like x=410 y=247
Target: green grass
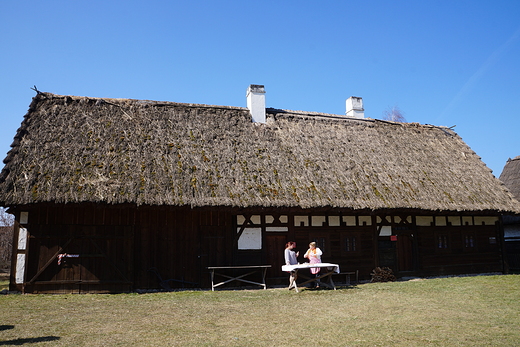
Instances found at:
x=459 y=311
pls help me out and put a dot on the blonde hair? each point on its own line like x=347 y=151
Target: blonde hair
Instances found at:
x=313 y=244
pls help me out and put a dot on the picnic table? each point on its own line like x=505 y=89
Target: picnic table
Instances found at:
x=224 y=271
x=330 y=269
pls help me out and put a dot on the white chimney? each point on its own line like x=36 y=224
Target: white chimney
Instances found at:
x=355 y=107
x=256 y=102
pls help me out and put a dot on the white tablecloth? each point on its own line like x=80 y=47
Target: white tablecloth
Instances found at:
x=330 y=266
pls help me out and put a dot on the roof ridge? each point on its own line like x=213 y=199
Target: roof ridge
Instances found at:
x=138 y=101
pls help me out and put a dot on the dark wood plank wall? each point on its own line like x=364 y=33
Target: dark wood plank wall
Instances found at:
x=119 y=245
x=456 y=258
x=361 y=259
x=180 y=244
x=104 y=241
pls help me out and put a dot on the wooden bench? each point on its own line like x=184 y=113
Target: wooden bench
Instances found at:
x=347 y=276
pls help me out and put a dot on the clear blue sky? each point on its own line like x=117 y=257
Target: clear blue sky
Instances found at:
x=441 y=62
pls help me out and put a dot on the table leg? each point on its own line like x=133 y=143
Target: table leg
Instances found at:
x=330 y=283
x=292 y=283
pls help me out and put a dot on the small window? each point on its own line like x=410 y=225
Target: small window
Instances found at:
x=442 y=242
x=469 y=242
x=320 y=243
x=350 y=244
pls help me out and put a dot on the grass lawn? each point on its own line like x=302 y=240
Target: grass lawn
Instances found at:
x=458 y=311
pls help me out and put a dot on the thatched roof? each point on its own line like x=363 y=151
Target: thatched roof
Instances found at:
x=511 y=176
x=78 y=149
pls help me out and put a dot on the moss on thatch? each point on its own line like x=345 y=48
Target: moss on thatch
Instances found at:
x=79 y=149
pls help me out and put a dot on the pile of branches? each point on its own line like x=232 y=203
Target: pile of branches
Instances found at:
x=382 y=274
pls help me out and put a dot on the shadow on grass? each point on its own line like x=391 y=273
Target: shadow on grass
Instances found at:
x=6 y=327
x=19 y=342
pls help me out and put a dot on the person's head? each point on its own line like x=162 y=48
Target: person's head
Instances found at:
x=312 y=245
x=290 y=244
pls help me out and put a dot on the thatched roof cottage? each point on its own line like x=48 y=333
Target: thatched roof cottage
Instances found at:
x=131 y=185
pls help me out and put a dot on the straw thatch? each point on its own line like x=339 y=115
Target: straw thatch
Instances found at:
x=79 y=149
x=511 y=176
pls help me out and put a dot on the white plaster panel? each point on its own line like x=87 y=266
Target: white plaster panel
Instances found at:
x=440 y=221
x=365 y=219
x=467 y=220
x=318 y=221
x=277 y=229
x=22 y=239
x=299 y=219
x=256 y=219
x=24 y=217
x=485 y=220
x=424 y=221
x=20 y=268
x=334 y=221
x=454 y=220
x=350 y=220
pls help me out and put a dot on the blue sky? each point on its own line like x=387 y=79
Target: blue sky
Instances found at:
x=441 y=62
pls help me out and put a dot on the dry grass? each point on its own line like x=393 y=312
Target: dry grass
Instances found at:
x=465 y=311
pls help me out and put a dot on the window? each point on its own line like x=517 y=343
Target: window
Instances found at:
x=442 y=241
x=469 y=242
x=350 y=244
x=321 y=243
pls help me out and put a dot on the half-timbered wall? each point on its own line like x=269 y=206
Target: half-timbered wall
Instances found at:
x=98 y=248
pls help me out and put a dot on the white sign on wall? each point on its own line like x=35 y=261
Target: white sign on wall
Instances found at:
x=251 y=238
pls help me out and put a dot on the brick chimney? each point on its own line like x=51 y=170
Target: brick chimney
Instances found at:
x=355 y=107
x=256 y=102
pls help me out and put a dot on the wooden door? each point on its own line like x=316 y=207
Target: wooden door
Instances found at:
x=274 y=254
x=405 y=258
x=83 y=260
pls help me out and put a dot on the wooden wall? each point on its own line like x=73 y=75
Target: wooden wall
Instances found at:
x=462 y=249
x=123 y=248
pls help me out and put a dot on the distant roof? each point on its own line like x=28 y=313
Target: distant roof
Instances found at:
x=79 y=149
x=511 y=176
